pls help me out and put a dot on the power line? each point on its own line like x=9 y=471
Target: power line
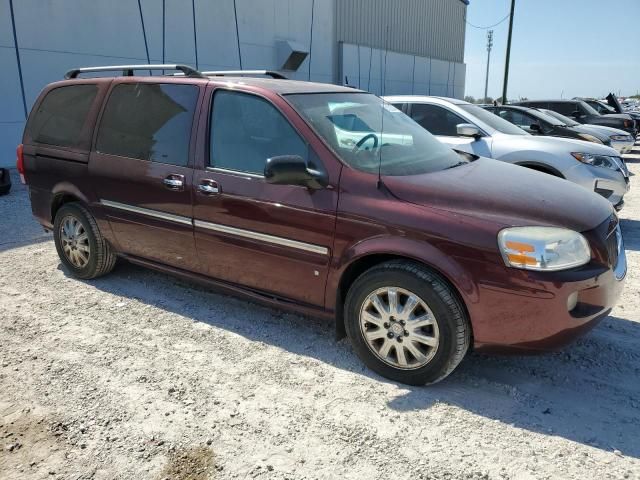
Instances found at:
x=488 y=27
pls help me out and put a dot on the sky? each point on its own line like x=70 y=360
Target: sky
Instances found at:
x=560 y=48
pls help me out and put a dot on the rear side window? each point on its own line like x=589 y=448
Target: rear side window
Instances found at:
x=149 y=122
x=247 y=130
x=565 y=108
x=62 y=114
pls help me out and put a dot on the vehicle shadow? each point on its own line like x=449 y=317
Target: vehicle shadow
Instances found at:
x=631 y=233
x=585 y=393
x=17 y=225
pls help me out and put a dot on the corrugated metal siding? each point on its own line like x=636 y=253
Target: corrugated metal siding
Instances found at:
x=429 y=28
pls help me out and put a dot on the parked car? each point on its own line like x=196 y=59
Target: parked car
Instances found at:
x=5 y=181
x=464 y=126
x=249 y=184
x=615 y=107
x=535 y=122
x=599 y=106
x=582 y=112
x=620 y=140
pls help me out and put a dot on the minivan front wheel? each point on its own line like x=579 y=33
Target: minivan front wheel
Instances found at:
x=80 y=245
x=406 y=323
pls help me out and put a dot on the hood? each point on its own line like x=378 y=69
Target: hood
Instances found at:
x=599 y=134
x=608 y=131
x=613 y=102
x=622 y=116
x=553 y=145
x=505 y=194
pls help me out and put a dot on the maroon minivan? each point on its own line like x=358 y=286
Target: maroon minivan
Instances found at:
x=322 y=199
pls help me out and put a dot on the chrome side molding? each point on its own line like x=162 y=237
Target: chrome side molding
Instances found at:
x=147 y=212
x=262 y=237
x=216 y=227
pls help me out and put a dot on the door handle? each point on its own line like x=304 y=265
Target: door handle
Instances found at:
x=209 y=187
x=174 y=182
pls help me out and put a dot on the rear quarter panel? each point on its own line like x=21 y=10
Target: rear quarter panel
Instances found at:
x=53 y=171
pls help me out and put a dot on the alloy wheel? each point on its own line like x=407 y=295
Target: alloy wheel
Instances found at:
x=399 y=328
x=75 y=241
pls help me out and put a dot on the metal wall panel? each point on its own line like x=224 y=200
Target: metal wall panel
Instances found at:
x=428 y=28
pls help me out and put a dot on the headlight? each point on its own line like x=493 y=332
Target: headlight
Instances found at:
x=603 y=161
x=590 y=138
x=543 y=248
x=621 y=138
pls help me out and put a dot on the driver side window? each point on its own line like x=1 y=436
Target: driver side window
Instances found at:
x=436 y=120
x=246 y=130
x=520 y=119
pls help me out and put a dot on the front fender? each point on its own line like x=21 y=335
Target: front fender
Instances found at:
x=392 y=246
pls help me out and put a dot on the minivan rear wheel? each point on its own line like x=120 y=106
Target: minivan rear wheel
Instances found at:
x=80 y=245
x=406 y=323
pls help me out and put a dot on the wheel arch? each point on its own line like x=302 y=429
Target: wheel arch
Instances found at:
x=462 y=287
x=541 y=167
x=64 y=193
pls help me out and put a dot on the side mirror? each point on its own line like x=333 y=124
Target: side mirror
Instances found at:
x=468 y=130
x=293 y=170
x=534 y=127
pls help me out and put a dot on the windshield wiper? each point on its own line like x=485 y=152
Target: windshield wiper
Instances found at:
x=457 y=165
x=470 y=157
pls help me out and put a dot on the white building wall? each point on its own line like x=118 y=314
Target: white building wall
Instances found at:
x=404 y=74
x=54 y=36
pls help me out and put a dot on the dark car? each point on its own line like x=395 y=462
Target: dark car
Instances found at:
x=536 y=122
x=612 y=107
x=582 y=112
x=257 y=186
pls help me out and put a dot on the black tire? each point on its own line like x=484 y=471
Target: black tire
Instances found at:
x=450 y=316
x=101 y=258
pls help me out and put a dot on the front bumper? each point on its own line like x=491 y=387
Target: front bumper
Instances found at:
x=536 y=313
x=611 y=184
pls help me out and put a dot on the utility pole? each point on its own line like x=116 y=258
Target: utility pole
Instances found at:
x=506 y=64
x=486 y=80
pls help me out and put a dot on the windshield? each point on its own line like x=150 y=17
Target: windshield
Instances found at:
x=589 y=109
x=369 y=134
x=603 y=107
x=542 y=115
x=565 y=120
x=492 y=120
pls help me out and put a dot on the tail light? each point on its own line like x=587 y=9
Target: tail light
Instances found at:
x=20 y=162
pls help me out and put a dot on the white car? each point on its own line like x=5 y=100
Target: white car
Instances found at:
x=469 y=128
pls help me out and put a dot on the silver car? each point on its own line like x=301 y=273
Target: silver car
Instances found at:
x=467 y=127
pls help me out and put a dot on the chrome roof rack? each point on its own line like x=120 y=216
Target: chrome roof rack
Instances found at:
x=127 y=70
x=231 y=73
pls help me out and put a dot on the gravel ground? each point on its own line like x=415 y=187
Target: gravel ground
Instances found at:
x=142 y=376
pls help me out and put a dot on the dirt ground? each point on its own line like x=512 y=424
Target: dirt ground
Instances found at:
x=139 y=375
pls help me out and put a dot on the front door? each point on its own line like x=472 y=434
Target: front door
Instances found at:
x=272 y=238
x=141 y=158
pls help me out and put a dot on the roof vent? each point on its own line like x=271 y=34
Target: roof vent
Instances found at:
x=290 y=55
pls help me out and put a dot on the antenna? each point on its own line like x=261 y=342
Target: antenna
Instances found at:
x=383 y=89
